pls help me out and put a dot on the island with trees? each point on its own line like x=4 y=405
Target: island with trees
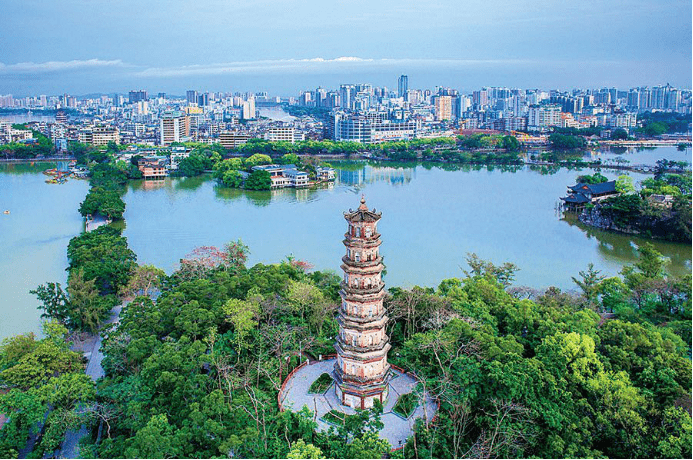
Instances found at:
x=659 y=208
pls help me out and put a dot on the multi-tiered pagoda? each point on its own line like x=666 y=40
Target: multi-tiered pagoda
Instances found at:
x=361 y=370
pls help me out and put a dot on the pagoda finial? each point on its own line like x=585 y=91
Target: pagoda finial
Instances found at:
x=363 y=206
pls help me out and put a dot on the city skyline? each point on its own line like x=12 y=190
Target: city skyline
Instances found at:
x=285 y=48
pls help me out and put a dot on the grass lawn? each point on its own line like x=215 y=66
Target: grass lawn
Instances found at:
x=321 y=384
x=406 y=404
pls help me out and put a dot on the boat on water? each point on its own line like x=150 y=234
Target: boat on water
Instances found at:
x=7 y=211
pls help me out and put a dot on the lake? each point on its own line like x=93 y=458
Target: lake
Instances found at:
x=432 y=217
x=43 y=217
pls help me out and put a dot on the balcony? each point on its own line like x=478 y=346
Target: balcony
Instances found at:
x=358 y=322
x=378 y=379
x=361 y=242
x=354 y=290
x=363 y=349
x=363 y=263
x=361 y=354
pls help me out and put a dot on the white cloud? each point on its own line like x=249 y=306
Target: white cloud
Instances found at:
x=314 y=65
x=56 y=66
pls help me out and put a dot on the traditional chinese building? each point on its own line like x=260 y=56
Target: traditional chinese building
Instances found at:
x=361 y=369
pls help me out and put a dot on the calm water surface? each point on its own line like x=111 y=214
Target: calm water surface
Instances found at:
x=33 y=239
x=432 y=218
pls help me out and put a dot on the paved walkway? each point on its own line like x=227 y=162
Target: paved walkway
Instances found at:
x=70 y=446
x=396 y=429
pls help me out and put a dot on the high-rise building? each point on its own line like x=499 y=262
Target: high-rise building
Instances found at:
x=403 y=86
x=173 y=127
x=203 y=99
x=544 y=116
x=136 y=96
x=248 y=109
x=361 y=370
x=191 y=96
x=346 y=96
x=443 y=108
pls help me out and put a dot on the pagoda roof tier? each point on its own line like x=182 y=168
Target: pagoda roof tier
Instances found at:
x=362 y=264
x=361 y=324
x=362 y=385
x=359 y=349
x=362 y=214
x=351 y=297
x=368 y=269
x=373 y=355
x=362 y=291
x=353 y=242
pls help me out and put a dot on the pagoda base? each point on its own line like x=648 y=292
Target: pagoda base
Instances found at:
x=361 y=398
x=295 y=394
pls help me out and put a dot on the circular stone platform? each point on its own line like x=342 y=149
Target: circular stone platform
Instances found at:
x=294 y=395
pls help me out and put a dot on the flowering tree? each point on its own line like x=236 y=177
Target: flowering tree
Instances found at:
x=205 y=259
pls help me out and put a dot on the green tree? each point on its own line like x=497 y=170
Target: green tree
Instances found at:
x=104 y=255
x=596 y=178
x=54 y=302
x=300 y=449
x=232 y=179
x=144 y=281
x=510 y=143
x=619 y=134
x=624 y=184
x=155 y=440
x=259 y=180
x=257 y=159
x=589 y=283
x=243 y=316
x=86 y=308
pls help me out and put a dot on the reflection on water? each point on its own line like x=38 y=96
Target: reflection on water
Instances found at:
x=433 y=215
x=34 y=167
x=622 y=248
x=369 y=173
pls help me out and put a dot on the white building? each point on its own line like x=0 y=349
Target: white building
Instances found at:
x=177 y=154
x=543 y=116
x=173 y=127
x=284 y=133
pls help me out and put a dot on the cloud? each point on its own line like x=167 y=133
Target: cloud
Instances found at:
x=315 y=65
x=24 y=68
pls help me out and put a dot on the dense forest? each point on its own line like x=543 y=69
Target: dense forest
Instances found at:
x=194 y=367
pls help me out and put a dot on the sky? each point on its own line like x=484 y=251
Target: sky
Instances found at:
x=285 y=46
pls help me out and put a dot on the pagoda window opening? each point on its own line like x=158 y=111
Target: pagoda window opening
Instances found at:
x=357 y=257
x=358 y=232
x=368 y=232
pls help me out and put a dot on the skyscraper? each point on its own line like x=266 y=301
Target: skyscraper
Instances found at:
x=402 y=86
x=191 y=96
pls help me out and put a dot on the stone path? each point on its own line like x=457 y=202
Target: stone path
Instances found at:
x=396 y=429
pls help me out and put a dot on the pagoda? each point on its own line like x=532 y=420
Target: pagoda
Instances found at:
x=361 y=370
